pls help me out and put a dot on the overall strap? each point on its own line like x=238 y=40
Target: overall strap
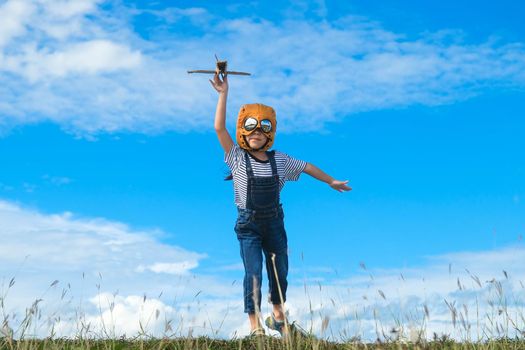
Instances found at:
x=249 y=169
x=271 y=157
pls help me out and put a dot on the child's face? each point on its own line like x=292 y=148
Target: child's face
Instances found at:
x=256 y=139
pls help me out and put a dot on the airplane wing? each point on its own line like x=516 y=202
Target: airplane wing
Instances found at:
x=202 y=71
x=213 y=72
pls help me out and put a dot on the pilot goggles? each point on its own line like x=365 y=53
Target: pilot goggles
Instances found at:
x=251 y=124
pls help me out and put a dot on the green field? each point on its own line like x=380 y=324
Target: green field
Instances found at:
x=204 y=343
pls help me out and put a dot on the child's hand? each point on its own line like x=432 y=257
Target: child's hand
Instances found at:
x=220 y=86
x=340 y=186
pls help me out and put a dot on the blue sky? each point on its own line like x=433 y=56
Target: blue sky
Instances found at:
x=107 y=148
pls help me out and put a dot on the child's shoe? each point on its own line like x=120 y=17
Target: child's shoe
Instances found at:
x=257 y=332
x=294 y=329
x=274 y=324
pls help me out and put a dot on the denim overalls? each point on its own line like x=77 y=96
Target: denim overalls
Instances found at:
x=260 y=228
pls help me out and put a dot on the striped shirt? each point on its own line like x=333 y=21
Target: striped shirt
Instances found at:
x=288 y=169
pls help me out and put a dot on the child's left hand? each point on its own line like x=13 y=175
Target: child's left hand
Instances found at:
x=340 y=186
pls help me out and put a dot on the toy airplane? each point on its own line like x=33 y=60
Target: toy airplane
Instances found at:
x=221 y=68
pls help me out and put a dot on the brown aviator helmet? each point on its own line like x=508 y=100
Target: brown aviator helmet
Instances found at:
x=252 y=117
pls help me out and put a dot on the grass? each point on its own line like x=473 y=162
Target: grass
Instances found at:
x=269 y=343
x=498 y=327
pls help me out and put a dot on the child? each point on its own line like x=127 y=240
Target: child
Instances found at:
x=258 y=177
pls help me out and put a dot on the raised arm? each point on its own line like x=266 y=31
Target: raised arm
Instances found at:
x=220 y=113
x=317 y=173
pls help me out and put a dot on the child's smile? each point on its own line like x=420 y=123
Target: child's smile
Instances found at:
x=256 y=139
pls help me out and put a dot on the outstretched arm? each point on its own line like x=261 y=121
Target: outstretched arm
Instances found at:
x=317 y=173
x=220 y=113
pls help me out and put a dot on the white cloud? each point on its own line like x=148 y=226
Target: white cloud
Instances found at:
x=92 y=244
x=112 y=279
x=95 y=74
x=125 y=315
x=55 y=39
x=42 y=21
x=92 y=259
x=90 y=57
x=476 y=286
x=67 y=8
x=15 y=15
x=170 y=268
